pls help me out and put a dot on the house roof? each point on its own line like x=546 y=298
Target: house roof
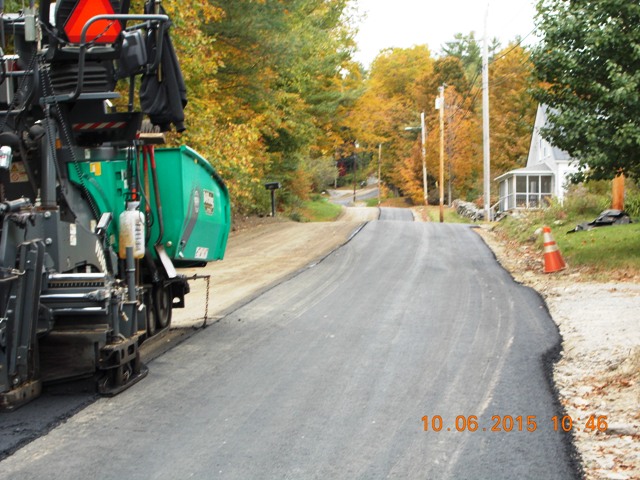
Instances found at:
x=558 y=154
x=539 y=169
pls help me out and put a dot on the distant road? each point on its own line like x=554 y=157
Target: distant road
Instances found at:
x=345 y=197
x=396 y=214
x=329 y=376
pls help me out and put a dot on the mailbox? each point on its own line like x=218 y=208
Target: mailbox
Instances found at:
x=272 y=187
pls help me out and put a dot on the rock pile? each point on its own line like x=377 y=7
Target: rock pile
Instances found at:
x=468 y=209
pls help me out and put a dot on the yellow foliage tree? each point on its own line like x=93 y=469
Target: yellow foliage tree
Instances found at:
x=389 y=104
x=512 y=109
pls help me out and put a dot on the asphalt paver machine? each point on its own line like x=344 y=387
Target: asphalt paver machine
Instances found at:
x=94 y=217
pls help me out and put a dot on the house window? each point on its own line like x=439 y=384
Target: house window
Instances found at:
x=546 y=190
x=521 y=200
x=534 y=191
x=541 y=152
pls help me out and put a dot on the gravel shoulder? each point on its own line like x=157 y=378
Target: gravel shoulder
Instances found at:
x=598 y=374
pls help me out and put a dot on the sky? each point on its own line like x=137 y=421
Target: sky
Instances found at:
x=405 y=23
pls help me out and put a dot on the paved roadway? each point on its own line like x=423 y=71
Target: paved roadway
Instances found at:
x=329 y=375
x=345 y=197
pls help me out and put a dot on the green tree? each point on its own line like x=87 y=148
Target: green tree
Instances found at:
x=590 y=62
x=283 y=62
x=469 y=51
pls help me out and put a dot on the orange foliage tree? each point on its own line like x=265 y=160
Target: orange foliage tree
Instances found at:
x=404 y=82
x=512 y=109
x=389 y=105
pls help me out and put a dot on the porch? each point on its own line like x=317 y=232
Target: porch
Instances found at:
x=526 y=188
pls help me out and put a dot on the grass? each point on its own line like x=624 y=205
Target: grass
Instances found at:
x=450 y=215
x=318 y=209
x=393 y=202
x=602 y=249
x=604 y=253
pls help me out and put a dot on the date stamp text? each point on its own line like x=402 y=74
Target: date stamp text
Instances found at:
x=509 y=423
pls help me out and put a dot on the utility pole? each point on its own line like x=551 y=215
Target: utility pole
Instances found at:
x=485 y=123
x=441 y=173
x=423 y=144
x=355 y=177
x=355 y=172
x=423 y=132
x=379 y=183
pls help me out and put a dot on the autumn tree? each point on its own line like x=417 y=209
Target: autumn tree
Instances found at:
x=512 y=108
x=461 y=127
x=389 y=104
x=403 y=83
x=236 y=150
x=281 y=68
x=512 y=111
x=463 y=145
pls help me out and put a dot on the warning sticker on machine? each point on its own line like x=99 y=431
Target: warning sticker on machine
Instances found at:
x=95 y=168
x=73 y=234
x=202 y=253
x=208 y=201
x=18 y=174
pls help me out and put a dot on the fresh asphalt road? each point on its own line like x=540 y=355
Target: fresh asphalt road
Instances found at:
x=329 y=374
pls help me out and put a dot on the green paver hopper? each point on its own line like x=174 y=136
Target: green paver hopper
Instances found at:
x=195 y=204
x=196 y=211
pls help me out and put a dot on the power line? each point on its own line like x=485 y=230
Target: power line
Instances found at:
x=495 y=83
x=495 y=59
x=504 y=80
x=460 y=106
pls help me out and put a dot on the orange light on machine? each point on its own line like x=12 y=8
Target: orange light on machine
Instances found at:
x=102 y=31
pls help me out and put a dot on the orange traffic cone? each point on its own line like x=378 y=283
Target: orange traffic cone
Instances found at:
x=553 y=261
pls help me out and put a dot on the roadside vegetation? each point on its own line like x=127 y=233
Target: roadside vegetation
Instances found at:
x=393 y=202
x=274 y=94
x=317 y=209
x=603 y=253
x=450 y=215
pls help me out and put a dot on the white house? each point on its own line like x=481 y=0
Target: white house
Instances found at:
x=544 y=176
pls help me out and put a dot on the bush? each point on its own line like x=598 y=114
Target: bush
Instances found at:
x=586 y=200
x=632 y=200
x=322 y=172
x=632 y=206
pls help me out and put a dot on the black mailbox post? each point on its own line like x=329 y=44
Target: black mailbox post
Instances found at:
x=272 y=187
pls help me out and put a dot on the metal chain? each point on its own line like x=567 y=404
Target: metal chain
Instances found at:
x=207 y=278
x=206 y=302
x=47 y=87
